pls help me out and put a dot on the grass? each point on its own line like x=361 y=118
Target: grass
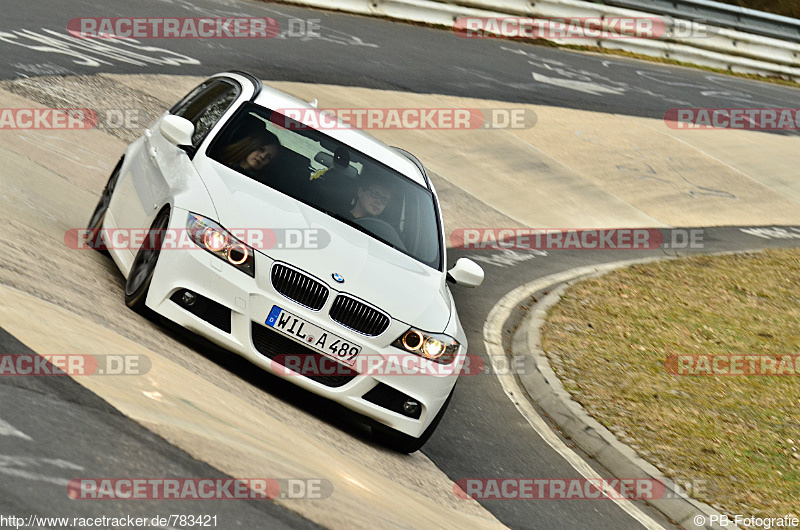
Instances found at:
x=736 y=439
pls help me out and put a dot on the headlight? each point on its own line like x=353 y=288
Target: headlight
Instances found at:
x=434 y=346
x=209 y=236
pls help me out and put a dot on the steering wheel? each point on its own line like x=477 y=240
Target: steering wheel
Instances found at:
x=383 y=230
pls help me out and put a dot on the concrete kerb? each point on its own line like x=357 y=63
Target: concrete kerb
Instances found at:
x=545 y=389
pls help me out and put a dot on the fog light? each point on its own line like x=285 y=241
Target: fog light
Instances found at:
x=410 y=407
x=188 y=298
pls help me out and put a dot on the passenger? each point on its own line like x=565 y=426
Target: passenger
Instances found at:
x=253 y=153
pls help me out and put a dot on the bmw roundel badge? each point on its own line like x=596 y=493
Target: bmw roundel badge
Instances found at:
x=338 y=277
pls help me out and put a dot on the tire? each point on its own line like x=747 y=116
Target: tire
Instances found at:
x=403 y=443
x=144 y=264
x=95 y=225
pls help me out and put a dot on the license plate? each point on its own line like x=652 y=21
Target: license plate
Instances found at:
x=321 y=340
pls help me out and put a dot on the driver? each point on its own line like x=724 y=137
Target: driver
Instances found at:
x=371 y=199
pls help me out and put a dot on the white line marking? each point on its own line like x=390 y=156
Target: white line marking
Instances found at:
x=6 y=429
x=586 y=87
x=492 y=333
x=15 y=466
x=19 y=473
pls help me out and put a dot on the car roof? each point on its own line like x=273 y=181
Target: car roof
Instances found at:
x=275 y=99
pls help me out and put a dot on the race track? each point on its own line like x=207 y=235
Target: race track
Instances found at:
x=599 y=155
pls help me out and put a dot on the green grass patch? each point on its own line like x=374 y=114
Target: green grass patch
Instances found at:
x=737 y=438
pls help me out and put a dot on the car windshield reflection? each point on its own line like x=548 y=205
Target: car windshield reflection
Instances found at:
x=330 y=176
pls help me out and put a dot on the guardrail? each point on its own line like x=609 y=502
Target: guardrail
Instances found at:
x=722 y=15
x=718 y=47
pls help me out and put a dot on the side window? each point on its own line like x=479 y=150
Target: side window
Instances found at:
x=205 y=105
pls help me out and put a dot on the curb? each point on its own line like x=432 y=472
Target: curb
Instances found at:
x=544 y=389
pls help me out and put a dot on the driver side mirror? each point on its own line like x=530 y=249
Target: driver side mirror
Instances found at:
x=466 y=272
x=177 y=130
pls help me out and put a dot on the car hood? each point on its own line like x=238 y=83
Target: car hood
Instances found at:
x=396 y=283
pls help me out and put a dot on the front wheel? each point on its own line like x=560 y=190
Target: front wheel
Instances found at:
x=144 y=264
x=403 y=443
x=94 y=236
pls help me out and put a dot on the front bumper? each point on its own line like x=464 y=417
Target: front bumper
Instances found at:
x=249 y=300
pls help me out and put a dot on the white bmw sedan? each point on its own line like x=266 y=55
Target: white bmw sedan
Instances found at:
x=316 y=252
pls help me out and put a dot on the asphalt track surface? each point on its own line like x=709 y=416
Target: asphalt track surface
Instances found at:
x=371 y=53
x=482 y=435
x=45 y=449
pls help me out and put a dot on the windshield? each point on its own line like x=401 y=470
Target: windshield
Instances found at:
x=326 y=174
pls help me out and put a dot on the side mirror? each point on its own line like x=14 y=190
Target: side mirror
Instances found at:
x=178 y=131
x=466 y=272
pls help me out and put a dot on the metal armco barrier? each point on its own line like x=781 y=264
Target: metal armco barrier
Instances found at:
x=717 y=47
x=722 y=15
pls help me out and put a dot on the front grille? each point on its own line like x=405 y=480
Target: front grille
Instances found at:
x=299 y=287
x=281 y=348
x=358 y=316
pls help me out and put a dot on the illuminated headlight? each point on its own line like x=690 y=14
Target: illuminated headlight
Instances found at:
x=434 y=346
x=209 y=236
